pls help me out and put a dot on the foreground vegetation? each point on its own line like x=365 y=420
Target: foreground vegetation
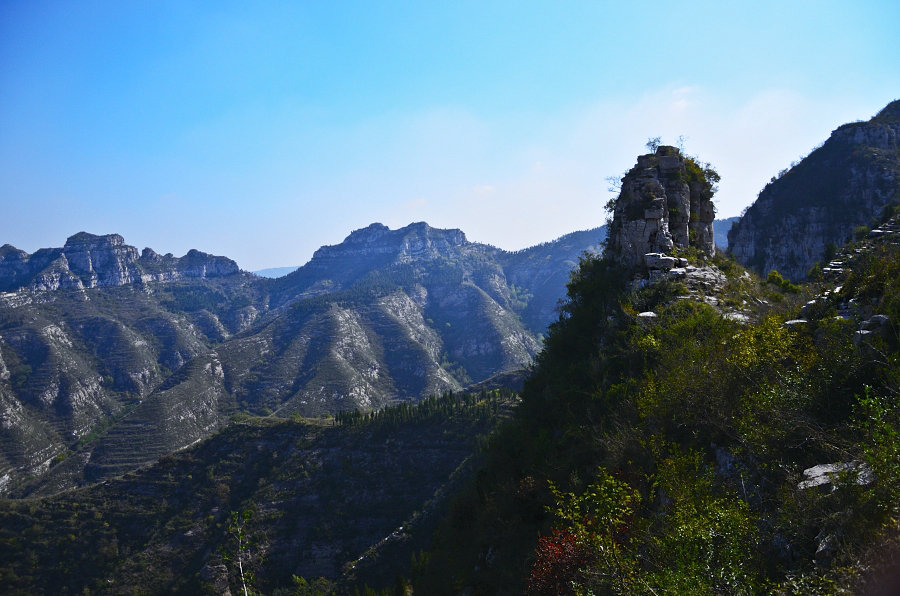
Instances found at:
x=666 y=454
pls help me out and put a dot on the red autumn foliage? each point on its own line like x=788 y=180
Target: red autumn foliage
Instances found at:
x=559 y=557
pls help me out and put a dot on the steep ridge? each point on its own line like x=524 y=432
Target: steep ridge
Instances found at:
x=809 y=210
x=537 y=274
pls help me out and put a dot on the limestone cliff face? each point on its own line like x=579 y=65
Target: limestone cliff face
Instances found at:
x=89 y=261
x=665 y=202
x=840 y=186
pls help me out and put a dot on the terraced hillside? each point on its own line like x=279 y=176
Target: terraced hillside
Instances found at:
x=78 y=361
x=346 y=503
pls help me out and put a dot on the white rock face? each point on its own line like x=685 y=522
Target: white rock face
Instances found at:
x=4 y=371
x=826 y=475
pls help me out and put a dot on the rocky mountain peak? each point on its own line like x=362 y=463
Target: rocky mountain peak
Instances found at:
x=93 y=240
x=415 y=241
x=806 y=211
x=419 y=239
x=200 y=264
x=89 y=261
x=665 y=202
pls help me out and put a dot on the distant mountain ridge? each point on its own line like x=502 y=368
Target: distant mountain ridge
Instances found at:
x=817 y=204
x=89 y=261
x=275 y=272
x=152 y=353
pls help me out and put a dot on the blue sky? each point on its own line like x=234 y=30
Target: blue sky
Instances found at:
x=263 y=130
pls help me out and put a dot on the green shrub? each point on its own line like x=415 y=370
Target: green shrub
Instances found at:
x=776 y=279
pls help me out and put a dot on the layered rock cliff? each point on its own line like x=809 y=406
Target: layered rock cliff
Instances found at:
x=89 y=261
x=817 y=204
x=665 y=202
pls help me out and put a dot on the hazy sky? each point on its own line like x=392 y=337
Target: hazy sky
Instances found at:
x=262 y=130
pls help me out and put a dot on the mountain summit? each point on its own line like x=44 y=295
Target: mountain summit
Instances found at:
x=90 y=261
x=807 y=211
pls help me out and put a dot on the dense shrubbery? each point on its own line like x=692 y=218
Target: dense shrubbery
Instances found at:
x=701 y=427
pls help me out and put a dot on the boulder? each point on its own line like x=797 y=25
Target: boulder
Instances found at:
x=659 y=261
x=825 y=475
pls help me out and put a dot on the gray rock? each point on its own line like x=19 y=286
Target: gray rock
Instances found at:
x=861 y=336
x=875 y=322
x=824 y=475
x=737 y=317
x=657 y=210
x=795 y=323
x=658 y=261
x=826 y=548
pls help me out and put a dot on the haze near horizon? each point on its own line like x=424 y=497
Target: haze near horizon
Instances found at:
x=263 y=132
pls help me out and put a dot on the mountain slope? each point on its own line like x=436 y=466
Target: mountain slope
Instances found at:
x=111 y=360
x=322 y=500
x=816 y=205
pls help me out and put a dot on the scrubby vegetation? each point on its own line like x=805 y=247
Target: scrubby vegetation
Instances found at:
x=667 y=454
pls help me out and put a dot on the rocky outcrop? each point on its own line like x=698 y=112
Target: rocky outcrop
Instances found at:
x=815 y=206
x=196 y=264
x=89 y=261
x=665 y=202
x=417 y=241
x=101 y=260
